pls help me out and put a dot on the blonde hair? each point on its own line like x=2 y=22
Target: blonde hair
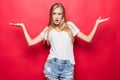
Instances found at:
x=63 y=24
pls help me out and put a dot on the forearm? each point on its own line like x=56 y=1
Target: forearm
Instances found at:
x=30 y=41
x=92 y=33
x=27 y=36
x=88 y=38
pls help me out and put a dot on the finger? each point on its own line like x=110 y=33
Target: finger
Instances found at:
x=14 y=24
x=105 y=19
x=10 y=23
x=99 y=18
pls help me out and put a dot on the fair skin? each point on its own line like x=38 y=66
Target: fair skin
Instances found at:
x=57 y=16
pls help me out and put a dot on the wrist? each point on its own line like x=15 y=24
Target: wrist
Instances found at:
x=22 y=25
x=97 y=22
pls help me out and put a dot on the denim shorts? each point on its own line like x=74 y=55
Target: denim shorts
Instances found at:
x=56 y=69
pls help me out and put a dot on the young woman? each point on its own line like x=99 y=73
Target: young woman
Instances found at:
x=59 y=34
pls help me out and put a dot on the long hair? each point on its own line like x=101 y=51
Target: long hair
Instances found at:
x=63 y=24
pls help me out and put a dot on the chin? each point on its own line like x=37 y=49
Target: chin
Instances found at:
x=56 y=24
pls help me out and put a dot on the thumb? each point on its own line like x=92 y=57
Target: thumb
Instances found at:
x=99 y=18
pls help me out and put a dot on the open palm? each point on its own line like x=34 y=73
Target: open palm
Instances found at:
x=17 y=24
x=100 y=20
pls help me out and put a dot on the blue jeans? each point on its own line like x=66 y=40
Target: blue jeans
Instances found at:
x=56 y=69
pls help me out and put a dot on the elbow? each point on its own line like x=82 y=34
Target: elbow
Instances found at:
x=89 y=40
x=30 y=44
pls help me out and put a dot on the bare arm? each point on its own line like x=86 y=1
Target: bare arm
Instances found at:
x=88 y=38
x=30 y=41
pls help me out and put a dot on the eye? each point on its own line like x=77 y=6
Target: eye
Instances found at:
x=59 y=13
x=54 y=13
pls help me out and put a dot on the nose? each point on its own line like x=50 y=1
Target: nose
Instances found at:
x=56 y=17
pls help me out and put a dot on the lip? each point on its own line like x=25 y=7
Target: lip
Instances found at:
x=56 y=20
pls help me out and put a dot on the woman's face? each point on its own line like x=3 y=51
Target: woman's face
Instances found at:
x=57 y=16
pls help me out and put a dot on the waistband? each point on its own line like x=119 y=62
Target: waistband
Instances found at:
x=60 y=61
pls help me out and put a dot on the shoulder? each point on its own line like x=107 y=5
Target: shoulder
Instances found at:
x=70 y=23
x=45 y=29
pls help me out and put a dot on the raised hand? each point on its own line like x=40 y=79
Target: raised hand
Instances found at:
x=17 y=24
x=100 y=20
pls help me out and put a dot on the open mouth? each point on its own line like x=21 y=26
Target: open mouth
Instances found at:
x=56 y=20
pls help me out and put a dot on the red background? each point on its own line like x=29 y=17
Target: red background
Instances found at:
x=98 y=60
